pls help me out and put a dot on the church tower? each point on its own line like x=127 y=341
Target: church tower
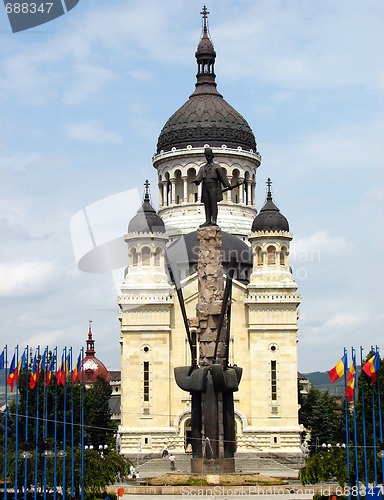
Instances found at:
x=263 y=336
x=272 y=304
x=145 y=317
x=206 y=119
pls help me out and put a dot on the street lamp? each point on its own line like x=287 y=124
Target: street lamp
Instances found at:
x=380 y=454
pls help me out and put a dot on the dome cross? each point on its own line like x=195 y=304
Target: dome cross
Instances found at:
x=205 y=13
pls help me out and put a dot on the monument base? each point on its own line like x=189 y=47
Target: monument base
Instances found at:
x=212 y=465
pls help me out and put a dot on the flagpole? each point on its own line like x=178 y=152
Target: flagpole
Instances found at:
x=6 y=425
x=374 y=433
x=82 y=425
x=380 y=414
x=45 y=421
x=72 y=433
x=26 y=429
x=355 y=426
x=16 y=486
x=36 y=438
x=55 y=430
x=364 y=427
x=63 y=485
x=347 y=450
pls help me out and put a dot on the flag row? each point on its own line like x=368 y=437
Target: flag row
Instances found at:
x=47 y=363
x=370 y=368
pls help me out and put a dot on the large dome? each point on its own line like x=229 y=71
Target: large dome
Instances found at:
x=206 y=118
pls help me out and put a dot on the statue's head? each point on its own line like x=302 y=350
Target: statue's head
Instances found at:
x=208 y=153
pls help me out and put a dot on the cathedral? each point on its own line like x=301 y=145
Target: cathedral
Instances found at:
x=264 y=318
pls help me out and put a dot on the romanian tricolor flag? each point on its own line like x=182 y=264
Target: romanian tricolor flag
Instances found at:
x=338 y=370
x=12 y=372
x=60 y=374
x=350 y=388
x=76 y=369
x=20 y=366
x=372 y=366
x=67 y=367
x=48 y=374
x=43 y=360
x=35 y=373
x=2 y=362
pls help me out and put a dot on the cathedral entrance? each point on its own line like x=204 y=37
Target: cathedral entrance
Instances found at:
x=188 y=436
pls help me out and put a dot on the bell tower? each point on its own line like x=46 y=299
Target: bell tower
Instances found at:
x=272 y=304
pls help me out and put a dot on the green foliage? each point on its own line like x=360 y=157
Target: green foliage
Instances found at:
x=367 y=399
x=325 y=465
x=322 y=416
x=54 y=405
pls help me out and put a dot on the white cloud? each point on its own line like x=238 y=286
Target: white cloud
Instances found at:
x=86 y=81
x=315 y=246
x=25 y=278
x=91 y=132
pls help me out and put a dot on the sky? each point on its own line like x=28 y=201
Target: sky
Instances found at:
x=83 y=99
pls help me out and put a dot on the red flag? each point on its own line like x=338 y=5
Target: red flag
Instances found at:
x=350 y=389
x=338 y=370
x=60 y=374
x=35 y=373
x=372 y=366
x=76 y=369
x=48 y=374
x=11 y=379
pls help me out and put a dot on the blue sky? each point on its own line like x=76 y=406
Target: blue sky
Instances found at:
x=83 y=99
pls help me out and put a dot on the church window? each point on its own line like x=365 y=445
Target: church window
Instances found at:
x=134 y=257
x=271 y=252
x=259 y=256
x=146 y=256
x=157 y=256
x=146 y=380
x=273 y=381
x=283 y=254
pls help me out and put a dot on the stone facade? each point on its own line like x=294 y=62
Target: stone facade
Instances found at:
x=264 y=302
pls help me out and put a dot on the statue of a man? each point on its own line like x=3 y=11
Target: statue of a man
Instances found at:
x=212 y=176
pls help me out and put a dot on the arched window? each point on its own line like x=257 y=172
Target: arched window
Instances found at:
x=178 y=187
x=157 y=256
x=271 y=253
x=191 y=188
x=259 y=255
x=146 y=257
x=235 y=194
x=134 y=257
x=283 y=256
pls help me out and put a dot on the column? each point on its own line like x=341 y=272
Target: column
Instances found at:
x=185 y=189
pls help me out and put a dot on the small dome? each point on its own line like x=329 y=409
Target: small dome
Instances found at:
x=146 y=220
x=92 y=367
x=269 y=217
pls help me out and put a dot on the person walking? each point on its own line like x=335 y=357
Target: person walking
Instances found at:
x=172 y=461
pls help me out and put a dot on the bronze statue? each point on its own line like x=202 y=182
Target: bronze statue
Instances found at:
x=212 y=176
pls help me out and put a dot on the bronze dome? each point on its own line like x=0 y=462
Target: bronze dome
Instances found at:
x=206 y=118
x=269 y=218
x=146 y=220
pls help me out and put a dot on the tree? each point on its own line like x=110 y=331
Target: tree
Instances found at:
x=368 y=420
x=50 y=410
x=323 y=418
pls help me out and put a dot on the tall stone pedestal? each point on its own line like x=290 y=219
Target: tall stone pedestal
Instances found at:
x=212 y=382
x=212 y=466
